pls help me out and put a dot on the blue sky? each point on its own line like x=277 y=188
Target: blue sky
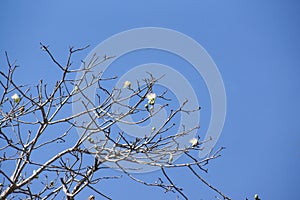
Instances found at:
x=255 y=45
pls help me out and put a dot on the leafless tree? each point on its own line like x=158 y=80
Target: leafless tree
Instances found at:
x=37 y=119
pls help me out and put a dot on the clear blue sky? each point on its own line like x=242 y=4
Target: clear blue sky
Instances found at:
x=256 y=46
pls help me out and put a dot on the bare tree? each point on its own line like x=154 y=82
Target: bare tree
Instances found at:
x=37 y=119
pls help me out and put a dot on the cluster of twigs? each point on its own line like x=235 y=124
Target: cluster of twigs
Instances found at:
x=39 y=119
